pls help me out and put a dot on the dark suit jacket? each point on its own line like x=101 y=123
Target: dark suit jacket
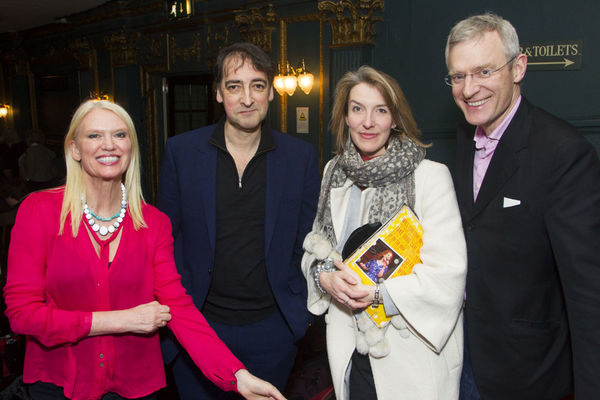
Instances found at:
x=533 y=280
x=187 y=194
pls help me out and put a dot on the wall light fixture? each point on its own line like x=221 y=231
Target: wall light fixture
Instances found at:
x=292 y=78
x=4 y=110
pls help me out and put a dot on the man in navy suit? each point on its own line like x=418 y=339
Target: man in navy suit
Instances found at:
x=528 y=187
x=241 y=198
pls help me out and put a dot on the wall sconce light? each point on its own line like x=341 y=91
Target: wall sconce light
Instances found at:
x=287 y=83
x=98 y=96
x=4 y=110
x=278 y=83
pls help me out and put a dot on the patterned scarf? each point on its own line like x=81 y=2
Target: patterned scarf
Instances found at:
x=392 y=176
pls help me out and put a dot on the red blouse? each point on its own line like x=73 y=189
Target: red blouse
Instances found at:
x=54 y=283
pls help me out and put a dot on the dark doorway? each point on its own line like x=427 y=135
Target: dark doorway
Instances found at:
x=192 y=103
x=57 y=98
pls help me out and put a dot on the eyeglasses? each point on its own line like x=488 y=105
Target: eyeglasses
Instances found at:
x=479 y=75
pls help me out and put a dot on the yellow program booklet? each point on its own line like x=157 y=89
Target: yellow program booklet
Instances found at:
x=390 y=252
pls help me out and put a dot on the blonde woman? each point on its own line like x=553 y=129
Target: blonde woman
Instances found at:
x=91 y=278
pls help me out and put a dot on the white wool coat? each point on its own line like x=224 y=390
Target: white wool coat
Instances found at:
x=425 y=364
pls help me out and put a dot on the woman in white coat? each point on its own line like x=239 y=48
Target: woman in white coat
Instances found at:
x=380 y=166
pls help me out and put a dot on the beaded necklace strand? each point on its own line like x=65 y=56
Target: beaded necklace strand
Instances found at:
x=103 y=230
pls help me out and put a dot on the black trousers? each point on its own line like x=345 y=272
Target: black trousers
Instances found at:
x=267 y=348
x=49 y=391
x=362 y=385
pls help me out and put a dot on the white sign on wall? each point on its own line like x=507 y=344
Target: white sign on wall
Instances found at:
x=301 y=119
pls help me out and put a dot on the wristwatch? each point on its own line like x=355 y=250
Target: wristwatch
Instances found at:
x=376 y=300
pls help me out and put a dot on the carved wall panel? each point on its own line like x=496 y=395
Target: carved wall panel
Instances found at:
x=352 y=22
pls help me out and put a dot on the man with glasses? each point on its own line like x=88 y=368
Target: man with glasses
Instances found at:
x=528 y=187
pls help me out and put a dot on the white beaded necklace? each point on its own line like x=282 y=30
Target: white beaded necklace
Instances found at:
x=103 y=230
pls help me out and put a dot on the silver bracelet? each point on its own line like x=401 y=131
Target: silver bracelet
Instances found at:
x=322 y=266
x=376 y=301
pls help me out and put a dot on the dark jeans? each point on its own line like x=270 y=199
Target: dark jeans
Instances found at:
x=266 y=348
x=49 y=391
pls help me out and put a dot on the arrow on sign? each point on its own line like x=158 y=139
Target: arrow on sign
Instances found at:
x=565 y=62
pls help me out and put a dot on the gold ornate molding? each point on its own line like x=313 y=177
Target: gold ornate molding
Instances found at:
x=151 y=49
x=302 y=18
x=51 y=58
x=16 y=63
x=217 y=37
x=187 y=51
x=121 y=46
x=255 y=27
x=352 y=22
x=82 y=52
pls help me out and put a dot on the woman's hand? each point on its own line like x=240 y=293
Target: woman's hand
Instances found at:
x=147 y=318
x=253 y=388
x=368 y=299
x=345 y=286
x=144 y=319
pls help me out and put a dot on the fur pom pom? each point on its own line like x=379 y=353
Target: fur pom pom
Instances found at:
x=370 y=338
x=335 y=256
x=361 y=344
x=399 y=323
x=374 y=335
x=318 y=245
x=363 y=322
x=381 y=349
x=309 y=241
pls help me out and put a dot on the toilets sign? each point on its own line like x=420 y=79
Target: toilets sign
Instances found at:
x=559 y=55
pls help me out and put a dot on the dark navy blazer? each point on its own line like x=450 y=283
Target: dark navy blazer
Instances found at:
x=187 y=194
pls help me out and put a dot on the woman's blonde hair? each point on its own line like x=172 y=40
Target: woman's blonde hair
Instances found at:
x=75 y=187
x=391 y=93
